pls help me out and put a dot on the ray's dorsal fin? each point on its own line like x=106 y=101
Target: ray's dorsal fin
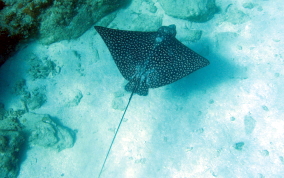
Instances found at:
x=148 y=60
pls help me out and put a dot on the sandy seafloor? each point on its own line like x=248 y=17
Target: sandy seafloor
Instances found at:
x=187 y=129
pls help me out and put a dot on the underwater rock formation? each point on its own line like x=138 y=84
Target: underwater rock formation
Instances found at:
x=70 y=19
x=18 y=20
x=53 y=20
x=10 y=144
x=193 y=10
x=49 y=20
x=42 y=68
x=20 y=127
x=11 y=140
x=43 y=131
x=32 y=99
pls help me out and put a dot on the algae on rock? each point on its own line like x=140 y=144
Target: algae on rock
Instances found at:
x=9 y=119
x=36 y=98
x=66 y=20
x=32 y=100
x=43 y=131
x=10 y=146
x=21 y=127
x=54 y=20
x=11 y=141
x=42 y=68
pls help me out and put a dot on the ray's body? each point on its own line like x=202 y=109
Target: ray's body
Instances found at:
x=149 y=60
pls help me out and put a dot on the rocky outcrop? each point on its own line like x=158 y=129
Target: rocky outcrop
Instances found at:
x=70 y=19
x=44 y=132
x=49 y=20
x=193 y=10
x=53 y=20
x=19 y=128
x=10 y=145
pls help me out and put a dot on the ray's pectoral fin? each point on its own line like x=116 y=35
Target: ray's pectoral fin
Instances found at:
x=150 y=59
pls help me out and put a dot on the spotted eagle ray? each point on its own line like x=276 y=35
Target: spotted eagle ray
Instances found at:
x=149 y=60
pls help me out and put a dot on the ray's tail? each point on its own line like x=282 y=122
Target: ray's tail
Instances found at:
x=132 y=93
